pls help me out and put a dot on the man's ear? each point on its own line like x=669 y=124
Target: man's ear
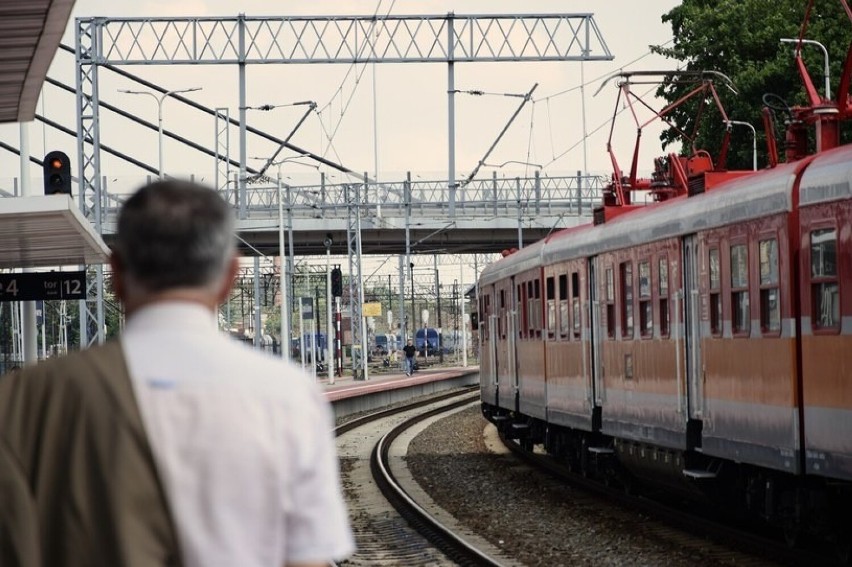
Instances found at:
x=228 y=283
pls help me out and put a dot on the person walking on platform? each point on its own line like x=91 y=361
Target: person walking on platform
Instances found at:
x=410 y=350
x=174 y=445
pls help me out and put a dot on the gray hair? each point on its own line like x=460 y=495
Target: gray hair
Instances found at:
x=174 y=234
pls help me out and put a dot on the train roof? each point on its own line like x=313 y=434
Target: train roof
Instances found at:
x=741 y=199
x=827 y=178
x=524 y=259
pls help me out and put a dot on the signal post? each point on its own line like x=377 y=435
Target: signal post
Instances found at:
x=337 y=291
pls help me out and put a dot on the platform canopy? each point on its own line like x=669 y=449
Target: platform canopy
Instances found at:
x=47 y=231
x=30 y=31
x=42 y=230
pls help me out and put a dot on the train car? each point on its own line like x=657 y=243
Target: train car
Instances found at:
x=825 y=241
x=701 y=342
x=501 y=327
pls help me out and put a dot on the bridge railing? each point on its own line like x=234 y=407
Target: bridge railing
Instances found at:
x=575 y=195
x=494 y=197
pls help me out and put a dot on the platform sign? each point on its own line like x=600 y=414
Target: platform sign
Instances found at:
x=42 y=285
x=371 y=309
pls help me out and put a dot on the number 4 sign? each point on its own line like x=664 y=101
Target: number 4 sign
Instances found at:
x=42 y=285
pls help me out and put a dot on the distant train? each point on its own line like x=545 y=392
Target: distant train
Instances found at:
x=702 y=342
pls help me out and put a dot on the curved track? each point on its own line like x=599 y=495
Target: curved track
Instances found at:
x=391 y=528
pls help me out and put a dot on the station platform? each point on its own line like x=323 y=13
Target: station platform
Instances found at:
x=349 y=396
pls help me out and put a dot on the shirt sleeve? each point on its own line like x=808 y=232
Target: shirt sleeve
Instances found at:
x=317 y=523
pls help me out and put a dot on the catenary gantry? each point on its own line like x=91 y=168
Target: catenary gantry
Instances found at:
x=242 y=40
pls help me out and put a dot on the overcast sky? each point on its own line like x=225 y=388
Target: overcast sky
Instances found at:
x=411 y=99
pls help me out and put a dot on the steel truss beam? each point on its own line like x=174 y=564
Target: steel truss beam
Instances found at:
x=348 y=39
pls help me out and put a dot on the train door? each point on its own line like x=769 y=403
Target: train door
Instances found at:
x=596 y=332
x=692 y=329
x=512 y=340
x=493 y=338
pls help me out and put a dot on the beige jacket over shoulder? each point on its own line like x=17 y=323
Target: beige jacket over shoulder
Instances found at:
x=71 y=436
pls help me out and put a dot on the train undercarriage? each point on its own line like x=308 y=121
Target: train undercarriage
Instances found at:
x=797 y=507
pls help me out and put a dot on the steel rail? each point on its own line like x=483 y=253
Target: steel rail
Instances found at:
x=438 y=534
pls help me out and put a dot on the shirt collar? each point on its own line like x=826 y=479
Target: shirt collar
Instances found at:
x=172 y=315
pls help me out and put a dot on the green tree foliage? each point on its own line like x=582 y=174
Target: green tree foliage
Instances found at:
x=740 y=38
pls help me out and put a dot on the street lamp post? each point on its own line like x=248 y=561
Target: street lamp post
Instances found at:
x=825 y=57
x=328 y=357
x=282 y=256
x=160 y=100
x=413 y=325
x=282 y=279
x=730 y=123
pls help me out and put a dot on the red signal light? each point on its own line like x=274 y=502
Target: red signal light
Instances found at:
x=57 y=173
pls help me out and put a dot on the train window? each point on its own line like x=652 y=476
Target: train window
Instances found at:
x=501 y=327
x=646 y=317
x=825 y=291
x=537 y=317
x=770 y=304
x=551 y=307
x=740 y=318
x=483 y=302
x=575 y=304
x=610 y=285
x=563 y=306
x=664 y=297
x=530 y=309
x=489 y=311
x=626 y=270
x=715 y=293
x=644 y=279
x=610 y=306
x=521 y=302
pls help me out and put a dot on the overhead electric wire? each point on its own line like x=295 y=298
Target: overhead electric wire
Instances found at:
x=210 y=111
x=550 y=129
x=578 y=87
x=311 y=106
x=599 y=77
x=17 y=152
x=549 y=116
x=589 y=135
x=530 y=141
x=345 y=108
x=354 y=63
x=146 y=124
x=527 y=97
x=104 y=147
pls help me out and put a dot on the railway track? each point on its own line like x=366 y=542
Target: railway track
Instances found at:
x=740 y=545
x=390 y=527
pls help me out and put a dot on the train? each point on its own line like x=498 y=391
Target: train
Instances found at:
x=701 y=342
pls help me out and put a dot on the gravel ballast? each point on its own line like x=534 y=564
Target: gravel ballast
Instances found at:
x=531 y=516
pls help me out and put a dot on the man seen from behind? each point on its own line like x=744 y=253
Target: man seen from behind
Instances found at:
x=175 y=445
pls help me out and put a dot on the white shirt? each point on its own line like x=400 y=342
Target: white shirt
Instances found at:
x=242 y=443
